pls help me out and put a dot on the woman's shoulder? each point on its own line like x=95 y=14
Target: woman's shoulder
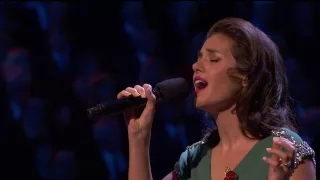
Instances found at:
x=191 y=154
x=287 y=134
x=302 y=148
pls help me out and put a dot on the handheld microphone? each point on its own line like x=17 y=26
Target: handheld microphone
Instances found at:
x=166 y=91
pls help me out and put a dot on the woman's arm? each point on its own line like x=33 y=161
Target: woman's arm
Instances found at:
x=305 y=170
x=139 y=160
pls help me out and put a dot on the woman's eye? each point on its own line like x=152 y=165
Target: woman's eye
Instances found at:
x=214 y=60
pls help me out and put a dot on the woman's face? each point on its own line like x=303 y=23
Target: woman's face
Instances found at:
x=214 y=89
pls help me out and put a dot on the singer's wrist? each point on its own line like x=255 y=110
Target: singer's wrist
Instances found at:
x=139 y=142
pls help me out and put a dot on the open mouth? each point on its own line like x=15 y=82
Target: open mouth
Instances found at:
x=200 y=84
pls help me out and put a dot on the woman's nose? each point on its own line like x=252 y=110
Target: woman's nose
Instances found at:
x=196 y=67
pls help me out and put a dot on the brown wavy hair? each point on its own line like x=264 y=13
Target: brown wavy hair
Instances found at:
x=264 y=103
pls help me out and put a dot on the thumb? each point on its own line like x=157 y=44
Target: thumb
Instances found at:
x=150 y=106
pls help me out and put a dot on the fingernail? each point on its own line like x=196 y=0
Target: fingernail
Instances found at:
x=276 y=139
x=268 y=149
x=264 y=158
x=143 y=94
x=149 y=90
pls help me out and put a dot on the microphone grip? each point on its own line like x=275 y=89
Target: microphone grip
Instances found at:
x=115 y=106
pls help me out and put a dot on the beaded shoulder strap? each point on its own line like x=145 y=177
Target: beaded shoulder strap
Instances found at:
x=189 y=161
x=303 y=150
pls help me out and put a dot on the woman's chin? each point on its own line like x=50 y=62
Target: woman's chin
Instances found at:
x=206 y=106
x=202 y=105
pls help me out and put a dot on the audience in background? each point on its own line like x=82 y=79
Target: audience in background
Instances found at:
x=58 y=58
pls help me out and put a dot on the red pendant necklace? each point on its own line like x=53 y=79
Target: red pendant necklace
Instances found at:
x=230 y=175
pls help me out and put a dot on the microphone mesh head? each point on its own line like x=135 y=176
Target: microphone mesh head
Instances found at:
x=172 y=90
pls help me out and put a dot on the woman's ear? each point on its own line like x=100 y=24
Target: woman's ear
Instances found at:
x=244 y=81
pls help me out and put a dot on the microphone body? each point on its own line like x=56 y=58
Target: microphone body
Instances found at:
x=116 y=106
x=165 y=91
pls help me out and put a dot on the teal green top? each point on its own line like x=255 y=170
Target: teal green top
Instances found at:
x=195 y=162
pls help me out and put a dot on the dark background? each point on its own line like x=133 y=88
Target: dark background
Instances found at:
x=59 y=58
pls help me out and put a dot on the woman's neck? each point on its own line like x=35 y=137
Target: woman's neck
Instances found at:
x=231 y=136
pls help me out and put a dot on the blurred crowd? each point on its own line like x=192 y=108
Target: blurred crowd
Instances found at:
x=59 y=58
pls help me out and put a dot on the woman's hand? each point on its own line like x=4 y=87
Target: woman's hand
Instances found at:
x=139 y=120
x=281 y=163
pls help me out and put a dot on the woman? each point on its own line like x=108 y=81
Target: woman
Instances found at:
x=239 y=79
